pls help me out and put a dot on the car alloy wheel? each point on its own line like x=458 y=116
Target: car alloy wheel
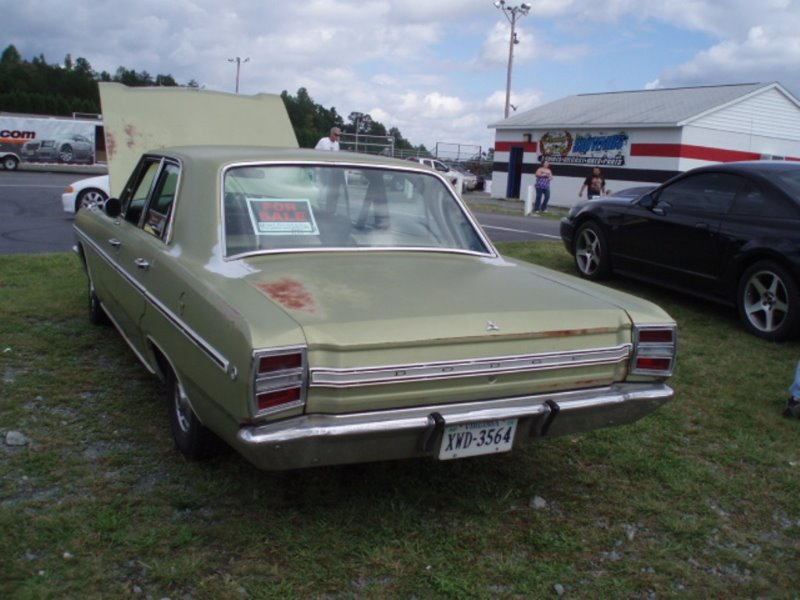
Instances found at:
x=591 y=252
x=10 y=163
x=768 y=301
x=90 y=198
x=65 y=154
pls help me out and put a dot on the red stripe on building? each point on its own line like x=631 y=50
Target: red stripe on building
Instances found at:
x=506 y=146
x=689 y=151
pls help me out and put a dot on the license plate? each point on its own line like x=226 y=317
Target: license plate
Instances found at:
x=472 y=439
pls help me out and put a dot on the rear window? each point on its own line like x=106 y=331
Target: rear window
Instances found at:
x=280 y=208
x=788 y=180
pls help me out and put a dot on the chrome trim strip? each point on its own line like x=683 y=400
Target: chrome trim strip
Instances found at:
x=133 y=348
x=344 y=378
x=654 y=350
x=267 y=383
x=306 y=428
x=218 y=359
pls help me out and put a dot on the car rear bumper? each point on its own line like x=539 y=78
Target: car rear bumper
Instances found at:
x=327 y=439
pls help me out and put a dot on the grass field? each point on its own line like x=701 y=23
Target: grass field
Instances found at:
x=699 y=500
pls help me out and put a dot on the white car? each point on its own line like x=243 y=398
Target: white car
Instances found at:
x=84 y=193
x=453 y=176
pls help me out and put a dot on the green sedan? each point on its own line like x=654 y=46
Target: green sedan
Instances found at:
x=316 y=308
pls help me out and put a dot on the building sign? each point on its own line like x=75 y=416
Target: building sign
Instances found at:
x=599 y=149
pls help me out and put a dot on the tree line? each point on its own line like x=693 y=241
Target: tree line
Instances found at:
x=36 y=87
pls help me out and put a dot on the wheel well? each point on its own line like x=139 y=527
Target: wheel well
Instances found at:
x=745 y=264
x=163 y=364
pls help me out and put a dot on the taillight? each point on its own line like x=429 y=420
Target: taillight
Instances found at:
x=654 y=350
x=279 y=380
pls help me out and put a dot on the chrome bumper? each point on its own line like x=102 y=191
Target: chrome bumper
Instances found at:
x=328 y=439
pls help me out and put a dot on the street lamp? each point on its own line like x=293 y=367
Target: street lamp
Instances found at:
x=238 y=62
x=511 y=13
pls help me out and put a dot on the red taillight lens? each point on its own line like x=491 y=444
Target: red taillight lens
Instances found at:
x=656 y=336
x=654 y=350
x=280 y=362
x=279 y=381
x=653 y=364
x=272 y=399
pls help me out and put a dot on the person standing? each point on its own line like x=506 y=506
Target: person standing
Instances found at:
x=792 y=409
x=331 y=141
x=543 y=178
x=594 y=184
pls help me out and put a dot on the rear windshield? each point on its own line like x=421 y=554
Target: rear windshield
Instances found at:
x=276 y=208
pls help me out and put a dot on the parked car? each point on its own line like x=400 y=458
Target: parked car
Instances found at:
x=727 y=232
x=469 y=181
x=453 y=176
x=70 y=148
x=307 y=319
x=86 y=193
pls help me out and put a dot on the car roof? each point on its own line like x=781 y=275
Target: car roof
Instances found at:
x=223 y=155
x=755 y=167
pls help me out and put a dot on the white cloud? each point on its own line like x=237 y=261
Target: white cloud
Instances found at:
x=436 y=70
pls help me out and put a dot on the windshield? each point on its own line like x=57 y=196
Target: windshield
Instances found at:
x=301 y=207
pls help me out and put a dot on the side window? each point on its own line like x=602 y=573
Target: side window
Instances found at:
x=750 y=202
x=138 y=189
x=705 y=193
x=160 y=207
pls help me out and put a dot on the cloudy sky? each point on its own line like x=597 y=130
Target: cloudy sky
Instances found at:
x=436 y=69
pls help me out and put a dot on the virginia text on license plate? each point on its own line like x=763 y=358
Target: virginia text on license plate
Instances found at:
x=472 y=439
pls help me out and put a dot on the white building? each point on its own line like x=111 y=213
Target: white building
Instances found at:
x=644 y=136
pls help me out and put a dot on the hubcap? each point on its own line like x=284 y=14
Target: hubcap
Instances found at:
x=766 y=301
x=182 y=409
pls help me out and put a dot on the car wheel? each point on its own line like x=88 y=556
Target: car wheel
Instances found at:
x=65 y=154
x=191 y=437
x=768 y=301
x=10 y=163
x=591 y=252
x=97 y=316
x=89 y=198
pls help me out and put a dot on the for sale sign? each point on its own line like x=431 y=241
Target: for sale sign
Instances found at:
x=271 y=216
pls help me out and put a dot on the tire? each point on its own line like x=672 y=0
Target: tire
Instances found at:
x=89 y=198
x=97 y=316
x=591 y=252
x=10 y=163
x=768 y=301
x=191 y=437
x=66 y=154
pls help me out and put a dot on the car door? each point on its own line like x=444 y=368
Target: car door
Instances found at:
x=672 y=235
x=142 y=229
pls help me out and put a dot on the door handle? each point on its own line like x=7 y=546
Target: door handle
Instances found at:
x=142 y=263
x=701 y=226
x=114 y=242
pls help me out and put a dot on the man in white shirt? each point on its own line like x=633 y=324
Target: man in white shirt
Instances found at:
x=331 y=142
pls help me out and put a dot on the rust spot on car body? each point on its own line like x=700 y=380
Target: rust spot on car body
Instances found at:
x=111 y=145
x=290 y=294
x=130 y=131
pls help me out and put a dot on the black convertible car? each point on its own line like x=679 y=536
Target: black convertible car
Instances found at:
x=728 y=232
